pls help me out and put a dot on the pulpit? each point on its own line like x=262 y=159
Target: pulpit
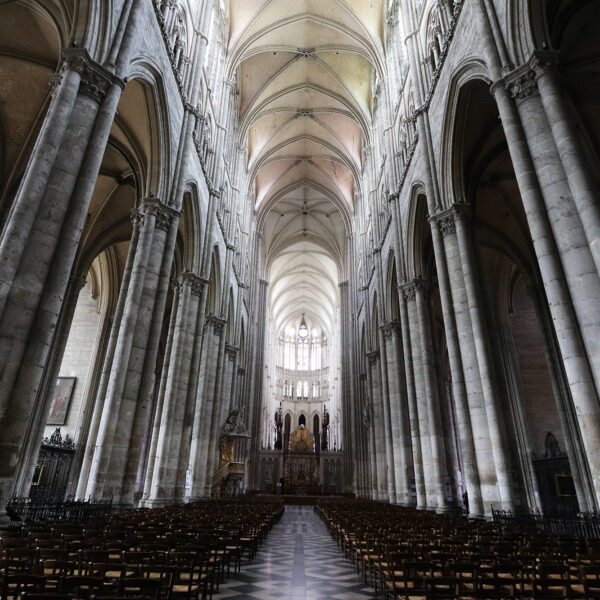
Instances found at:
x=228 y=479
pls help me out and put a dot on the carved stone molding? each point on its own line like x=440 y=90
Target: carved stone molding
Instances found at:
x=137 y=218
x=408 y=290
x=217 y=323
x=388 y=329
x=372 y=356
x=78 y=282
x=445 y=221
x=231 y=352
x=197 y=284
x=522 y=82
x=305 y=52
x=95 y=79
x=177 y=286
x=162 y=213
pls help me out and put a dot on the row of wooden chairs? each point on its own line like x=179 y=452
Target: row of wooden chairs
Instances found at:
x=407 y=554
x=170 y=553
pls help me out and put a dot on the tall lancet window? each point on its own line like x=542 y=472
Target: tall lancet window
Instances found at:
x=289 y=350
x=315 y=350
x=303 y=346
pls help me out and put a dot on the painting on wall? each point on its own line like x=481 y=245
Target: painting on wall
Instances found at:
x=59 y=406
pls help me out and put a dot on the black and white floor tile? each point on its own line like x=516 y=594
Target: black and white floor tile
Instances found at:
x=298 y=561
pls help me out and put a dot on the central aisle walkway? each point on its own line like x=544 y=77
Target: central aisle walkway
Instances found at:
x=299 y=561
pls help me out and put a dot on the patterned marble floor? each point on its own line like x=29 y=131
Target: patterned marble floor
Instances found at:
x=298 y=561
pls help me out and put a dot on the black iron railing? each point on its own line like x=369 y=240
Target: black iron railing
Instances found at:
x=24 y=510
x=582 y=525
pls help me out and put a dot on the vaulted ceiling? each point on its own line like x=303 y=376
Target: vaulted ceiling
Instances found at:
x=305 y=71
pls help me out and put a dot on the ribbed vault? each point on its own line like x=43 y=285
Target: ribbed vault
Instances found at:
x=305 y=71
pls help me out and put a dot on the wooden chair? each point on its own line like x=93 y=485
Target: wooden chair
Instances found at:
x=140 y=586
x=14 y=584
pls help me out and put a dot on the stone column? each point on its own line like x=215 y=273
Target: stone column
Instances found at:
x=577 y=168
x=387 y=422
x=466 y=387
x=577 y=366
x=171 y=417
x=126 y=403
x=421 y=387
x=47 y=385
x=347 y=389
x=398 y=410
x=378 y=437
x=432 y=406
x=205 y=405
x=229 y=376
x=487 y=373
x=194 y=345
x=40 y=240
x=575 y=254
x=407 y=317
x=260 y=306
x=98 y=404
x=154 y=432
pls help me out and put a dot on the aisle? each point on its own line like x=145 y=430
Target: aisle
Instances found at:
x=299 y=561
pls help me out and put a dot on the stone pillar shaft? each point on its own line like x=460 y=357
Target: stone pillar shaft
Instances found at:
x=459 y=389
x=398 y=412
x=432 y=404
x=577 y=169
x=39 y=244
x=485 y=362
x=413 y=411
x=114 y=467
x=577 y=367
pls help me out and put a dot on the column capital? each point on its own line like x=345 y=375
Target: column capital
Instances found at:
x=95 y=79
x=164 y=215
x=194 y=281
x=177 y=286
x=408 y=290
x=522 y=82
x=389 y=328
x=78 y=282
x=217 y=323
x=231 y=351
x=445 y=221
x=372 y=356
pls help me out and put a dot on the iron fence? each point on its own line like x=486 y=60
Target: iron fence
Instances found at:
x=24 y=510
x=582 y=525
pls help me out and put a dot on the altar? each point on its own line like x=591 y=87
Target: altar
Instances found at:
x=301 y=465
x=301 y=469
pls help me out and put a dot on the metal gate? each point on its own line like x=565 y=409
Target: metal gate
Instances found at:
x=51 y=475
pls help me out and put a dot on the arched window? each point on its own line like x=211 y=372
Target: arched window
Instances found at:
x=316 y=389
x=315 y=350
x=302 y=354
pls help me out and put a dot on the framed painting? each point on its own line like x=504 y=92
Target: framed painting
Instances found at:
x=61 y=399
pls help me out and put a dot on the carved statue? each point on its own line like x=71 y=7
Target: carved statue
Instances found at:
x=234 y=424
x=551 y=445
